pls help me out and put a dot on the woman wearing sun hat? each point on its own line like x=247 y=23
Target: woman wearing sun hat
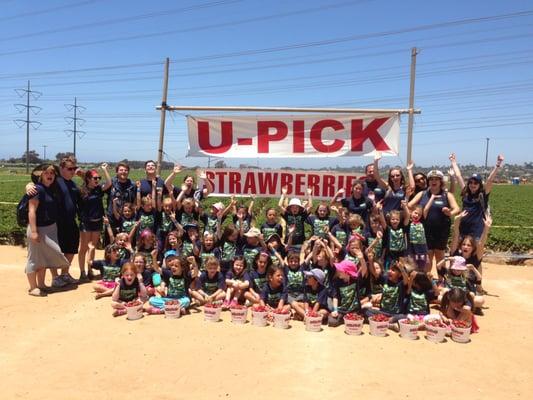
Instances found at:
x=475 y=197
x=438 y=207
x=43 y=248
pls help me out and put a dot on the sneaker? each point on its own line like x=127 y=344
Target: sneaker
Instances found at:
x=57 y=282
x=83 y=278
x=68 y=279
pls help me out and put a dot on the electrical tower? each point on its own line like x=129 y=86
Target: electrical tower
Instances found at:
x=21 y=122
x=75 y=120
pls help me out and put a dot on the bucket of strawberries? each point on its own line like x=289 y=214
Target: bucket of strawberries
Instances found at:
x=281 y=318
x=436 y=330
x=409 y=328
x=134 y=310
x=379 y=324
x=212 y=312
x=353 y=324
x=259 y=316
x=461 y=331
x=172 y=309
x=238 y=314
x=313 y=322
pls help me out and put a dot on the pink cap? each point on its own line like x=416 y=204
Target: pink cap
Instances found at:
x=459 y=264
x=348 y=267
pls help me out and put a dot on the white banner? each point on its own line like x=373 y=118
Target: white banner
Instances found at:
x=269 y=136
x=268 y=183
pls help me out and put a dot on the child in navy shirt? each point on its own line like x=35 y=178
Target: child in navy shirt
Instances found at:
x=211 y=285
x=274 y=293
x=257 y=276
x=315 y=294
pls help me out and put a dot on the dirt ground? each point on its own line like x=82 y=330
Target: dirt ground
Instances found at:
x=68 y=346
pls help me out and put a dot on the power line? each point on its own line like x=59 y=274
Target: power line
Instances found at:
x=75 y=132
x=21 y=122
x=49 y=10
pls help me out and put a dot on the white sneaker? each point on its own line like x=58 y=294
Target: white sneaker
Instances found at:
x=58 y=282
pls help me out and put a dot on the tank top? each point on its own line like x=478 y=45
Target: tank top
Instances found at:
x=435 y=217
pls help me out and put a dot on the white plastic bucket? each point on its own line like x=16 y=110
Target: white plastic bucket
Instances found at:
x=135 y=312
x=435 y=333
x=460 y=335
x=259 y=318
x=238 y=315
x=313 y=324
x=212 y=314
x=281 y=321
x=353 y=326
x=172 y=311
x=378 y=328
x=408 y=331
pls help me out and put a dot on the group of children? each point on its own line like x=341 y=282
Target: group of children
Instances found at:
x=325 y=260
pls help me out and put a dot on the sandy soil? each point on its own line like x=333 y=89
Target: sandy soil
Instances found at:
x=67 y=346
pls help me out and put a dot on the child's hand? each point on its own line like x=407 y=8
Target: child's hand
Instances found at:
x=284 y=190
x=341 y=192
x=447 y=211
x=379 y=206
x=377 y=156
x=334 y=314
x=177 y=168
x=201 y=174
x=138 y=184
x=233 y=201
x=309 y=191
x=159 y=191
x=292 y=228
x=488 y=220
x=359 y=254
x=403 y=204
x=140 y=277
x=154 y=254
x=183 y=187
x=499 y=160
x=379 y=234
x=410 y=166
x=104 y=166
x=106 y=220
x=452 y=158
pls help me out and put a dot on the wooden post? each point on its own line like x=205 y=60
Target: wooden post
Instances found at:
x=411 y=106
x=163 y=117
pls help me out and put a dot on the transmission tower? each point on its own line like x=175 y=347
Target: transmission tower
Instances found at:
x=30 y=94
x=75 y=120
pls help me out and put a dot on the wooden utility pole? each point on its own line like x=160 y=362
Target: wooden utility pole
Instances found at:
x=414 y=52
x=163 y=117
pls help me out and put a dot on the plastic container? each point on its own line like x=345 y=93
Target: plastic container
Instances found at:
x=353 y=325
x=409 y=329
x=259 y=318
x=313 y=323
x=281 y=321
x=212 y=313
x=238 y=315
x=172 y=311
x=378 y=328
x=134 y=312
x=460 y=334
x=435 y=333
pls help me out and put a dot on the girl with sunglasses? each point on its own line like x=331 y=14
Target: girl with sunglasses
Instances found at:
x=475 y=196
x=91 y=216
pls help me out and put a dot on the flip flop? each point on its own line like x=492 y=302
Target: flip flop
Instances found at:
x=37 y=293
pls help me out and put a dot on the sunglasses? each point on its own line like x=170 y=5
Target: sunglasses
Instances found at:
x=395 y=176
x=72 y=169
x=96 y=178
x=420 y=179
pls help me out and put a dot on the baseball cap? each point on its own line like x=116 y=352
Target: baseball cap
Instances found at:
x=348 y=267
x=459 y=264
x=253 y=232
x=476 y=177
x=316 y=273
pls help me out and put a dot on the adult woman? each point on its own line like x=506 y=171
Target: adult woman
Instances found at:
x=439 y=205
x=91 y=217
x=396 y=188
x=43 y=248
x=475 y=198
x=357 y=203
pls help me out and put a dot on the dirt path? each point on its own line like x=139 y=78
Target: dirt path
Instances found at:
x=67 y=345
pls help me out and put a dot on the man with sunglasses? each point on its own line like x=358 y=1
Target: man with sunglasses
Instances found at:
x=68 y=232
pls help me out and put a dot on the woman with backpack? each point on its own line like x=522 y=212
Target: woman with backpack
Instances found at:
x=43 y=248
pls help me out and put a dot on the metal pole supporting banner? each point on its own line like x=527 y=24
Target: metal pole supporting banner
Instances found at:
x=28 y=129
x=290 y=109
x=411 y=106
x=163 y=109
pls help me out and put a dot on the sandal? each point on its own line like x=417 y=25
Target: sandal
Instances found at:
x=36 y=292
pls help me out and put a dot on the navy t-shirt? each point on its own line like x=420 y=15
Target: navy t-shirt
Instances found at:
x=298 y=220
x=269 y=229
x=123 y=191
x=185 y=218
x=418 y=301
x=146 y=186
x=177 y=286
x=148 y=220
x=361 y=206
x=318 y=224
x=205 y=254
x=373 y=186
x=47 y=210
x=91 y=206
x=341 y=233
x=246 y=222
x=346 y=293
x=393 y=295
x=272 y=296
x=295 y=280
x=128 y=292
x=211 y=285
x=69 y=200
x=241 y=277
x=319 y=295
x=210 y=222
x=249 y=253
x=257 y=280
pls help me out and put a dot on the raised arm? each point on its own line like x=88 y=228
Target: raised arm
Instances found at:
x=251 y=205
x=480 y=250
x=429 y=204
x=309 y=204
x=138 y=196
x=410 y=176
x=377 y=176
x=282 y=199
x=455 y=236
x=116 y=212
x=492 y=175
x=170 y=179
x=406 y=213
x=109 y=230
x=457 y=171
x=336 y=198
x=415 y=200
x=154 y=194
x=107 y=184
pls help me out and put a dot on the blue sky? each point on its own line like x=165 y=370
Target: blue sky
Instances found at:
x=474 y=74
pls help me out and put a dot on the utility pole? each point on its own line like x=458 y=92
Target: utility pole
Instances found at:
x=21 y=122
x=163 y=117
x=44 y=151
x=487 y=153
x=414 y=52
x=75 y=132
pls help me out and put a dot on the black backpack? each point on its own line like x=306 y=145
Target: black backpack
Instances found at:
x=22 y=211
